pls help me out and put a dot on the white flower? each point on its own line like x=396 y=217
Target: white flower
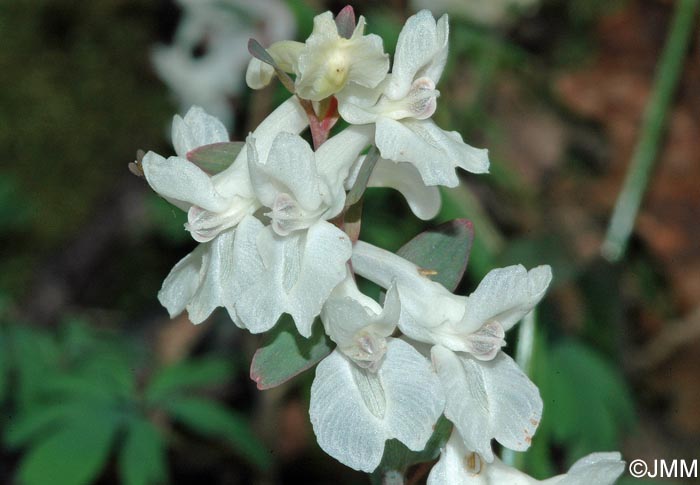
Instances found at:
x=292 y=265
x=402 y=105
x=487 y=400
x=354 y=410
x=221 y=28
x=431 y=314
x=326 y=62
x=487 y=395
x=226 y=271
x=458 y=465
x=358 y=324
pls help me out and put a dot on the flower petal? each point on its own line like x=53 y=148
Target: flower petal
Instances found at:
x=289 y=117
x=402 y=400
x=182 y=181
x=505 y=295
x=418 y=46
x=358 y=324
x=196 y=129
x=434 y=152
x=293 y=274
x=598 y=468
x=289 y=168
x=487 y=400
x=423 y=200
x=202 y=280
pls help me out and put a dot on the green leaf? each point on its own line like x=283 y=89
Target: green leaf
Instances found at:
x=398 y=458
x=211 y=419
x=216 y=157
x=73 y=455
x=186 y=375
x=142 y=459
x=358 y=189
x=579 y=385
x=31 y=423
x=288 y=354
x=443 y=251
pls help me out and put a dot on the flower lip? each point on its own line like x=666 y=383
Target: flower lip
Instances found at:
x=287 y=215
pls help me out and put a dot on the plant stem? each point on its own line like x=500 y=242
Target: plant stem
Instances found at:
x=667 y=75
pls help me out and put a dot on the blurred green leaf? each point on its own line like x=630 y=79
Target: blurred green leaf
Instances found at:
x=398 y=458
x=29 y=424
x=35 y=360
x=443 y=250
x=288 y=354
x=15 y=207
x=73 y=455
x=211 y=419
x=578 y=385
x=216 y=157
x=142 y=459
x=167 y=219
x=186 y=375
x=4 y=363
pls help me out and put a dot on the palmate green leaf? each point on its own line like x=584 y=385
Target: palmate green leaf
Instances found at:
x=211 y=419
x=39 y=419
x=398 y=458
x=186 y=375
x=288 y=354
x=142 y=459
x=216 y=157
x=578 y=385
x=72 y=455
x=443 y=251
x=586 y=388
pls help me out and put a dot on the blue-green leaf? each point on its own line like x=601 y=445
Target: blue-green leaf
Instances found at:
x=211 y=419
x=443 y=251
x=288 y=354
x=216 y=157
x=142 y=459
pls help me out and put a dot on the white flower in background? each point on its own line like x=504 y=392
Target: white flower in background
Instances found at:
x=326 y=62
x=431 y=314
x=221 y=29
x=493 y=12
x=354 y=410
x=402 y=105
x=458 y=465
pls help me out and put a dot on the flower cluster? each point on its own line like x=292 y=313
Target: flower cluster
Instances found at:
x=271 y=228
